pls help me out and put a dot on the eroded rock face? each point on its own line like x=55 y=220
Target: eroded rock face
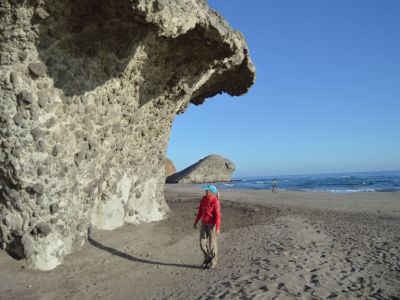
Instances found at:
x=213 y=168
x=89 y=90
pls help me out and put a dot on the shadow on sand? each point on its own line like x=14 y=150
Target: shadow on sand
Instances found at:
x=136 y=259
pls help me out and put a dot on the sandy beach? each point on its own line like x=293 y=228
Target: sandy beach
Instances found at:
x=292 y=245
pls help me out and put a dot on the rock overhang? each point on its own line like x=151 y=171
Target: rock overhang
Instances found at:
x=89 y=91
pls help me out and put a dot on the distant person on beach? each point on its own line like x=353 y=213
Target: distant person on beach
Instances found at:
x=274 y=186
x=209 y=212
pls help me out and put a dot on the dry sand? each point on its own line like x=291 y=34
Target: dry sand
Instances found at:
x=291 y=245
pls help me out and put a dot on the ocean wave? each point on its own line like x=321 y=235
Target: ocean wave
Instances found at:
x=350 y=190
x=229 y=184
x=333 y=183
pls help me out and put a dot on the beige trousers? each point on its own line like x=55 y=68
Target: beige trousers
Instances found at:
x=208 y=242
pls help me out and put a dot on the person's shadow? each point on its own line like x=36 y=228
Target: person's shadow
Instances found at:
x=136 y=259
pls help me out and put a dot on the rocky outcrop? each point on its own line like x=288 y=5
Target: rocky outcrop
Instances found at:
x=89 y=90
x=213 y=168
x=169 y=167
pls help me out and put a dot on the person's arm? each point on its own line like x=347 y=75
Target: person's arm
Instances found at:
x=198 y=215
x=217 y=213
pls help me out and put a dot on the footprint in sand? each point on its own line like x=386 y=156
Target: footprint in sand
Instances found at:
x=282 y=287
x=332 y=295
x=264 y=288
x=306 y=288
x=315 y=281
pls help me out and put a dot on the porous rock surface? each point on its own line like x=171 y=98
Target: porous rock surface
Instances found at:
x=169 y=167
x=89 y=90
x=213 y=168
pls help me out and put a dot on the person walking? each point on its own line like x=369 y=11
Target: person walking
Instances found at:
x=274 y=186
x=210 y=215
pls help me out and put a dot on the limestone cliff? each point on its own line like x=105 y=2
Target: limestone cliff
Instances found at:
x=89 y=90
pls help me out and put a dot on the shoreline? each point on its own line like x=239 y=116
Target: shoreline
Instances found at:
x=316 y=191
x=185 y=186
x=372 y=202
x=194 y=185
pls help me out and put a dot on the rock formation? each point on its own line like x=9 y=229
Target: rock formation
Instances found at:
x=88 y=92
x=213 y=168
x=169 y=167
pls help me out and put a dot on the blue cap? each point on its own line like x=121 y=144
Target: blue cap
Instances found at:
x=212 y=188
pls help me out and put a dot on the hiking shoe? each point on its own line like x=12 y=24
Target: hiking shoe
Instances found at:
x=205 y=263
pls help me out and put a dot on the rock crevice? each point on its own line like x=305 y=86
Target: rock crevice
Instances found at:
x=89 y=90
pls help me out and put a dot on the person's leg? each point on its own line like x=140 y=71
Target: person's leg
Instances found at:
x=213 y=247
x=204 y=234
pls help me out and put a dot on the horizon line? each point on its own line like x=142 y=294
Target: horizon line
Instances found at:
x=308 y=174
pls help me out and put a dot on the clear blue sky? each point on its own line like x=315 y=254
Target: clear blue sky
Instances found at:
x=327 y=92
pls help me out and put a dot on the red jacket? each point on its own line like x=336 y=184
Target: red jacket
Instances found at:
x=209 y=211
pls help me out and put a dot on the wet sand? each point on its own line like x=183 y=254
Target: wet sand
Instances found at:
x=292 y=245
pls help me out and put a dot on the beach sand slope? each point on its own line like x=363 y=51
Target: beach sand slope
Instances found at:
x=271 y=247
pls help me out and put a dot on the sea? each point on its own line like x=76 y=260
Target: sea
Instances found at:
x=383 y=181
